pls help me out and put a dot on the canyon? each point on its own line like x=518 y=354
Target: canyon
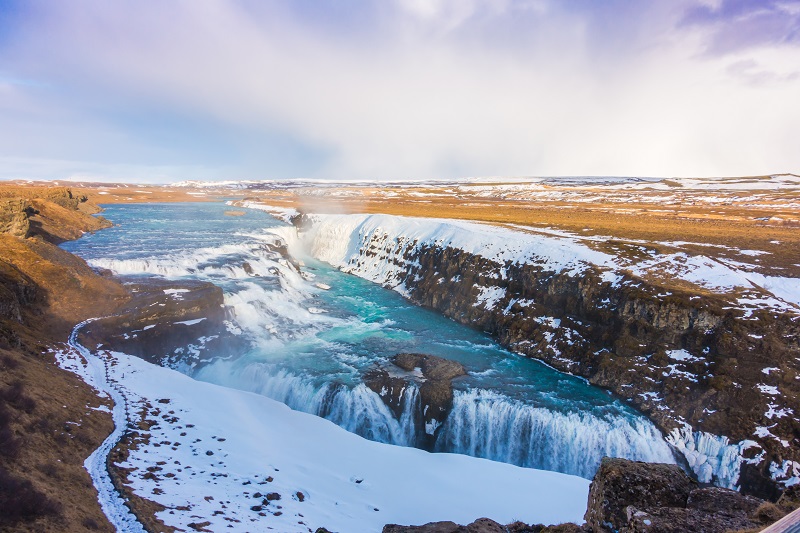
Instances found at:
x=703 y=340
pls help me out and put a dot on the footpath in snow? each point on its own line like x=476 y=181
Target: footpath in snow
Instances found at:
x=232 y=458
x=95 y=372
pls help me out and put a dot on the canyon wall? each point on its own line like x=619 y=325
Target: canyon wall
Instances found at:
x=720 y=380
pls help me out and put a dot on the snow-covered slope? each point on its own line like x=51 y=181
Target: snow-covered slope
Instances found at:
x=216 y=454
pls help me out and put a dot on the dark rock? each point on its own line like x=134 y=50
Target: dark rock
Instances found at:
x=634 y=497
x=391 y=389
x=620 y=483
x=435 y=389
x=679 y=520
x=432 y=367
x=722 y=501
x=165 y=328
x=757 y=481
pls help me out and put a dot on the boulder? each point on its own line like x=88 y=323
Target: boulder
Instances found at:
x=684 y=520
x=633 y=497
x=619 y=484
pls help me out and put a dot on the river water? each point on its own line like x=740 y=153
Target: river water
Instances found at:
x=310 y=346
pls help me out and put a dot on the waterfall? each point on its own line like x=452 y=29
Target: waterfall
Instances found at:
x=357 y=409
x=481 y=423
x=486 y=424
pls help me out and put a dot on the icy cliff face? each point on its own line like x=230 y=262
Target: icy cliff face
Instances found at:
x=713 y=458
x=682 y=356
x=382 y=248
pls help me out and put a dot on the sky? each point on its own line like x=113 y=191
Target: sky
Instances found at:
x=169 y=90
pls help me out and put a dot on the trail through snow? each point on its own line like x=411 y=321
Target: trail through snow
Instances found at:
x=112 y=503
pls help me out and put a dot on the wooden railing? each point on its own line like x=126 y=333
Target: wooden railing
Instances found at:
x=788 y=524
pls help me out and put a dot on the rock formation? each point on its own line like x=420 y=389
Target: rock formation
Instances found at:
x=633 y=497
x=433 y=381
x=167 y=323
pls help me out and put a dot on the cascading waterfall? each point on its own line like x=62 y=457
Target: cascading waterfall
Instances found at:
x=357 y=409
x=486 y=424
x=481 y=423
x=311 y=346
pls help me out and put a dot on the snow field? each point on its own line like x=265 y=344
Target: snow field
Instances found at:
x=214 y=449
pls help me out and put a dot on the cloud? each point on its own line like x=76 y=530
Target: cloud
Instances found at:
x=736 y=25
x=387 y=90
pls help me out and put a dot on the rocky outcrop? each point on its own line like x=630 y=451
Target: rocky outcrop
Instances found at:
x=695 y=362
x=481 y=525
x=620 y=484
x=167 y=323
x=17 y=291
x=431 y=377
x=14 y=217
x=632 y=497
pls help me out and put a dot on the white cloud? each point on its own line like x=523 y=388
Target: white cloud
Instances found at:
x=430 y=89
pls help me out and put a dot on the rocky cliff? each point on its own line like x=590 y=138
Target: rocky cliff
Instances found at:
x=50 y=420
x=720 y=378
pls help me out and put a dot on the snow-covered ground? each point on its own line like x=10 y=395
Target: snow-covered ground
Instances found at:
x=222 y=456
x=94 y=371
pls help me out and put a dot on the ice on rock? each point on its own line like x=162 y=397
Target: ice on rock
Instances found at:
x=712 y=457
